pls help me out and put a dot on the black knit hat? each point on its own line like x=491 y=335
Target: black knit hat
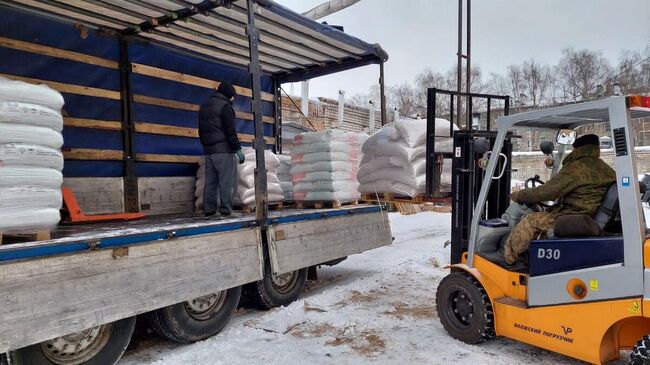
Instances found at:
x=226 y=89
x=587 y=139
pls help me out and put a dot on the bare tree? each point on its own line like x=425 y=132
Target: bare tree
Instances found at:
x=536 y=81
x=634 y=72
x=403 y=97
x=430 y=79
x=581 y=72
x=515 y=84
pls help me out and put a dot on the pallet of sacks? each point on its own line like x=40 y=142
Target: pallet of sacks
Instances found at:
x=324 y=168
x=245 y=194
x=31 y=161
x=393 y=166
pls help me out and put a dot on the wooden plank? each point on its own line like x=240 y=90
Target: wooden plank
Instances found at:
x=91 y=154
x=150 y=100
x=57 y=52
x=92 y=123
x=308 y=243
x=147 y=70
x=152 y=157
x=69 y=88
x=169 y=130
x=45 y=298
x=248 y=138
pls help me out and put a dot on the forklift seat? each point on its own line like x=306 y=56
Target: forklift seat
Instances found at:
x=583 y=225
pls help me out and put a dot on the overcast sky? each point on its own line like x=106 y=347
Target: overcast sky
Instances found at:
x=422 y=33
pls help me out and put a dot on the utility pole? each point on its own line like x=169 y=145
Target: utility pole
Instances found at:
x=459 y=53
x=468 y=60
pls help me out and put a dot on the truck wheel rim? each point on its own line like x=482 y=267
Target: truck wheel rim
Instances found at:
x=462 y=308
x=205 y=307
x=78 y=347
x=283 y=283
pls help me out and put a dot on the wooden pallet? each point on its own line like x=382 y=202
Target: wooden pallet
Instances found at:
x=323 y=204
x=6 y=238
x=393 y=198
x=273 y=206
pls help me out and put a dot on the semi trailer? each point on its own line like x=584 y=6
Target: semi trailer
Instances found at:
x=132 y=74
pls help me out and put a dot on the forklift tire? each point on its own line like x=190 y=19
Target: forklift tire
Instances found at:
x=640 y=354
x=106 y=345
x=276 y=291
x=195 y=319
x=464 y=308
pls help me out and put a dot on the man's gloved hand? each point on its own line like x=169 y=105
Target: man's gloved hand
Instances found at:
x=240 y=156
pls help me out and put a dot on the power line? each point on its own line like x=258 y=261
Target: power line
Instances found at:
x=614 y=77
x=297 y=107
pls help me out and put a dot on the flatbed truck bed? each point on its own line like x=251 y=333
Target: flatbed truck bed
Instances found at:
x=93 y=274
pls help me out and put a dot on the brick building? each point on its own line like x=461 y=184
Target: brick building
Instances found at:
x=323 y=114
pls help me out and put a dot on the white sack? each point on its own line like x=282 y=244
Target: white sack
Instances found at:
x=332 y=166
x=23 y=92
x=41 y=177
x=30 y=114
x=28 y=220
x=30 y=155
x=27 y=134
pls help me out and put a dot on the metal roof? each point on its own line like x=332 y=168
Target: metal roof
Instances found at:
x=291 y=48
x=567 y=116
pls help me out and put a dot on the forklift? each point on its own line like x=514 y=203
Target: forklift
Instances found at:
x=581 y=293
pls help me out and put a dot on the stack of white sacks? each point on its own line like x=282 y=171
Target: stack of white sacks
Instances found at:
x=324 y=166
x=30 y=157
x=284 y=175
x=394 y=158
x=245 y=194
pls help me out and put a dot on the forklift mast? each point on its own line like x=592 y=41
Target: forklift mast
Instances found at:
x=467 y=175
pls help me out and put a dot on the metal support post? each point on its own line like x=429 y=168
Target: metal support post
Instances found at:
x=278 y=116
x=382 y=93
x=131 y=198
x=459 y=67
x=468 y=62
x=261 y=193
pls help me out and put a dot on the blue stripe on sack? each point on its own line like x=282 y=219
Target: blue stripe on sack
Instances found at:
x=56 y=69
x=92 y=138
x=32 y=28
x=75 y=168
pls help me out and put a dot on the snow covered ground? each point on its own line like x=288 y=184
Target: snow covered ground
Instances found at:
x=377 y=307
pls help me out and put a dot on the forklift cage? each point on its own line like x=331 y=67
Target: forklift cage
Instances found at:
x=618 y=111
x=434 y=158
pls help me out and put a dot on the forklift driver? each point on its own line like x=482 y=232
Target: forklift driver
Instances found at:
x=579 y=188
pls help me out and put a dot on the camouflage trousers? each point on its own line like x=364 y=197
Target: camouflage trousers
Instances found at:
x=531 y=227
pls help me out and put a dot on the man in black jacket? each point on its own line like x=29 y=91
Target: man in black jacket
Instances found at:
x=222 y=150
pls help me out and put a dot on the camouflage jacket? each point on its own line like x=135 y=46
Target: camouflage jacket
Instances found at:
x=580 y=184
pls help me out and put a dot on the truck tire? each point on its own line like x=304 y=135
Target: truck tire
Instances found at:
x=464 y=308
x=101 y=345
x=196 y=319
x=640 y=354
x=276 y=290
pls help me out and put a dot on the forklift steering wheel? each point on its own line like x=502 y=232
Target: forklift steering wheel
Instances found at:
x=534 y=182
